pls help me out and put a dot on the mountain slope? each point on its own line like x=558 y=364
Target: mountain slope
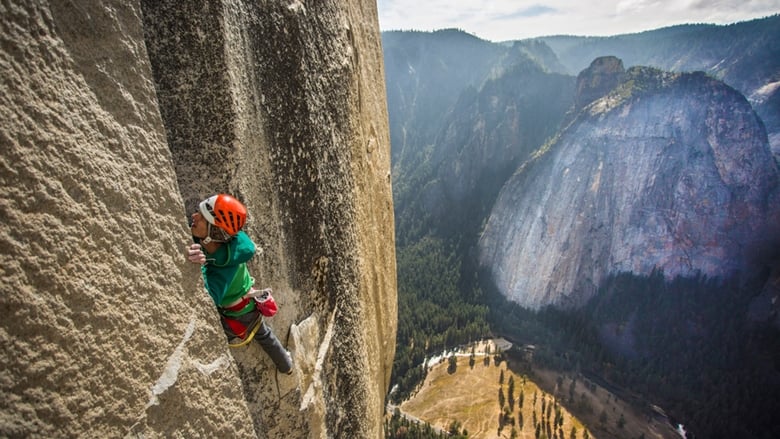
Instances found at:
x=426 y=72
x=486 y=135
x=432 y=77
x=741 y=54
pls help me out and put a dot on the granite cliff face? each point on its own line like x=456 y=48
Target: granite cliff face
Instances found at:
x=666 y=171
x=601 y=77
x=119 y=117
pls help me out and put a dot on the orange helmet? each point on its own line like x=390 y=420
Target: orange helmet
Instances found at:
x=225 y=212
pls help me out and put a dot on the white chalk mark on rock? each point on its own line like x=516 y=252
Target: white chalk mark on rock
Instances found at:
x=171 y=372
x=208 y=369
x=314 y=387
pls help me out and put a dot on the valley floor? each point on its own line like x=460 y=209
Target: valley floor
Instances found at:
x=470 y=396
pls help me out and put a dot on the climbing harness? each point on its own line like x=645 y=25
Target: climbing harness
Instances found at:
x=263 y=302
x=249 y=336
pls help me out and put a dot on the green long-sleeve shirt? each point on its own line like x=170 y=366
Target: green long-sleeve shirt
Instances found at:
x=225 y=274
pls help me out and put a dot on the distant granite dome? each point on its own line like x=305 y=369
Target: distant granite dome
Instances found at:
x=603 y=75
x=664 y=171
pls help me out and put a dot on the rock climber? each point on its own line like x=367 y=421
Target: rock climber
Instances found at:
x=222 y=249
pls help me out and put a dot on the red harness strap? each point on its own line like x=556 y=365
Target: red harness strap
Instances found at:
x=238 y=306
x=238 y=328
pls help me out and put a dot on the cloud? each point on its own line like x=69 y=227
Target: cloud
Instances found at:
x=635 y=6
x=734 y=6
x=531 y=11
x=501 y=20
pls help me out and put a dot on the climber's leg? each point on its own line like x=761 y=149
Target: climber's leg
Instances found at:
x=273 y=347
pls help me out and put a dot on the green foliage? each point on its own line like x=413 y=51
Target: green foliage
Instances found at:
x=433 y=313
x=511 y=393
x=399 y=427
x=695 y=351
x=454 y=429
x=690 y=350
x=452 y=364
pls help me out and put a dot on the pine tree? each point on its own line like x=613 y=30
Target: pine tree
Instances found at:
x=572 y=389
x=520 y=420
x=603 y=417
x=511 y=392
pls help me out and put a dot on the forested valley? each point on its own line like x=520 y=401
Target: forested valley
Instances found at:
x=684 y=344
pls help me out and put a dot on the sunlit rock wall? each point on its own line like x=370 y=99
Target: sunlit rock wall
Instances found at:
x=103 y=331
x=118 y=117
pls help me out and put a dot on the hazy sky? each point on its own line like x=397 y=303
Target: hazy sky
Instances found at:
x=499 y=20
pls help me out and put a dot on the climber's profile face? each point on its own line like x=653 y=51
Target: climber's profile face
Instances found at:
x=199 y=226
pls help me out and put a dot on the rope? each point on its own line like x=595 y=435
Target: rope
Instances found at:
x=249 y=337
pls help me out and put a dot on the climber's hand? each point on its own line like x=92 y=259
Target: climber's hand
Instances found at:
x=196 y=255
